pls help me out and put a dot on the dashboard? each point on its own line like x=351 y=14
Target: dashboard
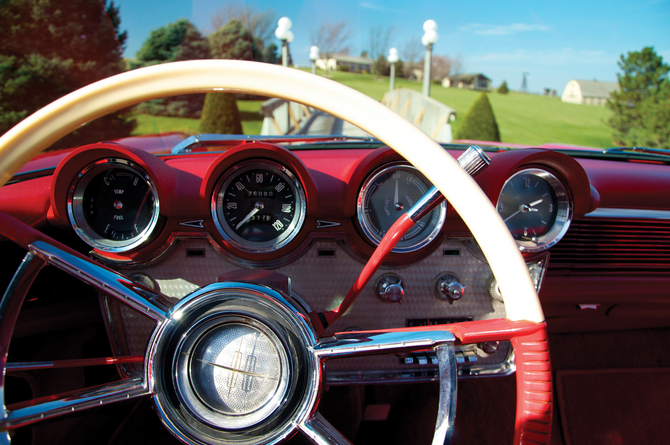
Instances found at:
x=174 y=223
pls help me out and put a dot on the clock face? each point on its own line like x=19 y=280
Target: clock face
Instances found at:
x=259 y=206
x=534 y=205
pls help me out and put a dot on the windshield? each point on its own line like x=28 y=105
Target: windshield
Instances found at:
x=517 y=75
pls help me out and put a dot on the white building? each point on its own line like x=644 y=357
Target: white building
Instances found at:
x=353 y=64
x=589 y=92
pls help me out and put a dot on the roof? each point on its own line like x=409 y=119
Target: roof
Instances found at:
x=467 y=77
x=594 y=88
x=352 y=59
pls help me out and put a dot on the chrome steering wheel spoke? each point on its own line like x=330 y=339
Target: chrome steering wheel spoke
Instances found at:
x=43 y=251
x=352 y=344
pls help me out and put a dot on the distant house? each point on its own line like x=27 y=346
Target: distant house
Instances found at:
x=589 y=92
x=468 y=82
x=352 y=63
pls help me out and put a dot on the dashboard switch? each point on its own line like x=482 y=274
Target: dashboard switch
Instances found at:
x=389 y=288
x=448 y=287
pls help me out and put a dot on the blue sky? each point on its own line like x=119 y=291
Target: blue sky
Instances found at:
x=552 y=41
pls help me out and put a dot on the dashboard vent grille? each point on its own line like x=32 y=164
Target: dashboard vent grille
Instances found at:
x=628 y=246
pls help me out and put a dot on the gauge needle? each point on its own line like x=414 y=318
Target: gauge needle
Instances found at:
x=259 y=206
x=395 y=197
x=534 y=203
x=525 y=208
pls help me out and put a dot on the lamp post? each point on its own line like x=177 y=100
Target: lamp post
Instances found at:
x=283 y=33
x=313 y=56
x=393 y=58
x=428 y=39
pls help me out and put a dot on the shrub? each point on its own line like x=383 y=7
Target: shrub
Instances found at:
x=220 y=115
x=479 y=122
x=503 y=88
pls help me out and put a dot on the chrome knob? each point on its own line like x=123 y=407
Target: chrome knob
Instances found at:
x=389 y=288
x=448 y=287
x=473 y=160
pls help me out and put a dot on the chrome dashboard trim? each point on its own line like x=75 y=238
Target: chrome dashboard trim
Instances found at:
x=605 y=212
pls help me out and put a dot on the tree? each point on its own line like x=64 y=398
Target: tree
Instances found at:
x=410 y=53
x=640 y=107
x=260 y=24
x=233 y=41
x=379 y=41
x=479 y=122
x=382 y=67
x=331 y=39
x=220 y=115
x=50 y=48
x=503 y=88
x=179 y=40
x=176 y=41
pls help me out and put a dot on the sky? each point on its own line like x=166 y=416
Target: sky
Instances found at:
x=553 y=42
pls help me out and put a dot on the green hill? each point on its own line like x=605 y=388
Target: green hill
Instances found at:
x=522 y=118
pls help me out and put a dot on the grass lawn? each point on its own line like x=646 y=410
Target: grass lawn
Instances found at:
x=252 y=121
x=522 y=118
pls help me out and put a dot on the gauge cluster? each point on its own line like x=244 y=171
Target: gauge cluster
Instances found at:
x=261 y=205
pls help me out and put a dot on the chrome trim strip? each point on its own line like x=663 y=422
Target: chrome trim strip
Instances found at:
x=446 y=409
x=360 y=343
x=10 y=306
x=321 y=432
x=604 y=212
x=104 y=280
x=88 y=398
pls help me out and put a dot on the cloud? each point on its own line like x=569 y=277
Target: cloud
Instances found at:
x=564 y=56
x=503 y=30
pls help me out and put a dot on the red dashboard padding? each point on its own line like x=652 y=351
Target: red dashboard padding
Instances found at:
x=534 y=389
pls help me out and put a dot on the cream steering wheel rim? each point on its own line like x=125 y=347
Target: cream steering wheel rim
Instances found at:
x=47 y=125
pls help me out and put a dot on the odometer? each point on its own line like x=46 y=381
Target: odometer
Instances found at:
x=113 y=205
x=258 y=206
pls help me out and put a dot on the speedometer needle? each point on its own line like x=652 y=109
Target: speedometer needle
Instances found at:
x=257 y=207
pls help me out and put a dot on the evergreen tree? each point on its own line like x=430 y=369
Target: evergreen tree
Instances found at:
x=50 y=48
x=479 y=122
x=503 y=88
x=641 y=105
x=220 y=115
x=233 y=41
x=176 y=41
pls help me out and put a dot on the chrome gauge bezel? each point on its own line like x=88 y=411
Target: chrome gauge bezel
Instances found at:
x=563 y=213
x=229 y=234
x=367 y=227
x=77 y=217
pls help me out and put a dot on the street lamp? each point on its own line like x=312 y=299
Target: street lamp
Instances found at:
x=283 y=33
x=428 y=39
x=393 y=58
x=313 y=56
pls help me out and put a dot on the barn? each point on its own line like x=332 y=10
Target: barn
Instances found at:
x=589 y=92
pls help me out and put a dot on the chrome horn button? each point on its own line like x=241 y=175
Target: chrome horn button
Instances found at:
x=232 y=372
x=234 y=362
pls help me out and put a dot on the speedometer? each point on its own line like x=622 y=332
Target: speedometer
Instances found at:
x=113 y=205
x=388 y=193
x=258 y=206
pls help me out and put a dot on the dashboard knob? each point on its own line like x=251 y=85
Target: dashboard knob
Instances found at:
x=473 y=160
x=389 y=288
x=448 y=287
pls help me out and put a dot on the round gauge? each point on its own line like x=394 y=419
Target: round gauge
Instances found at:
x=536 y=209
x=258 y=206
x=388 y=193
x=113 y=205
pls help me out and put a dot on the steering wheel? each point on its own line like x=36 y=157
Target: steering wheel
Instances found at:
x=289 y=402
